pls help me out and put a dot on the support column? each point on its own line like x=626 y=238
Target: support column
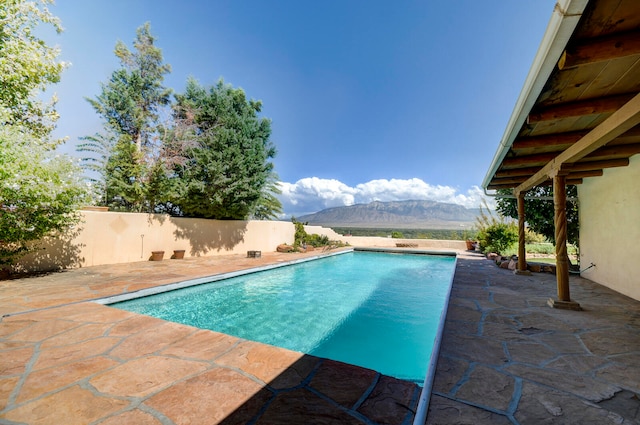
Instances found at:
x=562 y=259
x=522 y=254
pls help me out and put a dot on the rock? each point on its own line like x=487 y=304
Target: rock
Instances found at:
x=284 y=248
x=513 y=264
x=504 y=265
x=536 y=268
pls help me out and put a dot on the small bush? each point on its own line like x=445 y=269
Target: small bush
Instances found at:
x=397 y=235
x=532 y=237
x=498 y=237
x=316 y=240
x=302 y=238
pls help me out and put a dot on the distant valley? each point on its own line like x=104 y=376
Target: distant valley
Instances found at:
x=396 y=214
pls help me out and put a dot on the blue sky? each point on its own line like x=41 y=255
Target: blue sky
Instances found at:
x=369 y=100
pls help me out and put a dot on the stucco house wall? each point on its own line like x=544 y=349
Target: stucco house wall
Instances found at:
x=610 y=228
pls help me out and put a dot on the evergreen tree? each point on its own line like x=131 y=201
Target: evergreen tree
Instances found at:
x=227 y=162
x=130 y=104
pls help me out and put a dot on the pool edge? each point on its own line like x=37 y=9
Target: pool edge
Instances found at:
x=420 y=417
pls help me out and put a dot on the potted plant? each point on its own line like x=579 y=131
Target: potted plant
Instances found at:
x=156 y=255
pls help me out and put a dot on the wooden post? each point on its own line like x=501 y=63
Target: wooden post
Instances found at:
x=562 y=259
x=522 y=254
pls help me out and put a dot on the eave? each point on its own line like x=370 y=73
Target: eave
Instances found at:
x=579 y=110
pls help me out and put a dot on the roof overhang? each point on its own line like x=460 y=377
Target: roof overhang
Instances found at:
x=579 y=109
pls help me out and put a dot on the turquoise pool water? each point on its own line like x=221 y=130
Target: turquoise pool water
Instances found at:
x=376 y=310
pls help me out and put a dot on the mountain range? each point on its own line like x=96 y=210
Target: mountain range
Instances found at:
x=412 y=214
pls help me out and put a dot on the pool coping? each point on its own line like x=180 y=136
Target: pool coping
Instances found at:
x=422 y=411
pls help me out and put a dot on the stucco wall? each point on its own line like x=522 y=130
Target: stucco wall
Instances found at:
x=610 y=228
x=372 y=241
x=110 y=238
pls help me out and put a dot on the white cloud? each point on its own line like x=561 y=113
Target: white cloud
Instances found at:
x=313 y=194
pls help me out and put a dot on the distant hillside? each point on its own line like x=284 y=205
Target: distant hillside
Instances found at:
x=398 y=214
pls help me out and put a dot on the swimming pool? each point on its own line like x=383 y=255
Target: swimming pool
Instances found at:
x=376 y=310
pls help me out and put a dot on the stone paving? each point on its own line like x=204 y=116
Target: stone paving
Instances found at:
x=506 y=357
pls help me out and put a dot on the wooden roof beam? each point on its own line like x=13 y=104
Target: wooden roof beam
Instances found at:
x=526 y=171
x=570 y=182
x=515 y=181
x=548 y=182
x=614 y=152
x=539 y=159
x=582 y=174
x=601 y=49
x=625 y=118
x=580 y=108
x=598 y=165
x=558 y=139
x=516 y=176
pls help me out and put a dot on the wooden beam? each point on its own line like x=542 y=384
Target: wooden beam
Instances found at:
x=560 y=224
x=562 y=259
x=583 y=174
x=600 y=105
x=615 y=151
x=618 y=123
x=492 y=186
x=570 y=182
x=559 y=139
x=522 y=252
x=601 y=49
x=509 y=180
x=597 y=165
x=528 y=160
x=572 y=175
x=524 y=171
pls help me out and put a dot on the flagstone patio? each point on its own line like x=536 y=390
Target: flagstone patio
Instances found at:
x=506 y=357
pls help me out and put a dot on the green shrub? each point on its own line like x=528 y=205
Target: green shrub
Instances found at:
x=301 y=237
x=397 y=235
x=532 y=237
x=498 y=237
x=495 y=234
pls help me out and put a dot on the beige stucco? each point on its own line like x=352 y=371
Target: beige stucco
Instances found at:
x=610 y=228
x=111 y=238
x=374 y=241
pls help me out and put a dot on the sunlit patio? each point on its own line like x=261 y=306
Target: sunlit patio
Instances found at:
x=506 y=357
